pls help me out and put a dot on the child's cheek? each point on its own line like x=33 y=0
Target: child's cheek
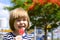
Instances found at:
x=18 y=23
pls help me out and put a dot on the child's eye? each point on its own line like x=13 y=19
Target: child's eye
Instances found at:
x=18 y=20
x=24 y=19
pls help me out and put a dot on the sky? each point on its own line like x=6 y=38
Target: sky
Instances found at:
x=7 y=2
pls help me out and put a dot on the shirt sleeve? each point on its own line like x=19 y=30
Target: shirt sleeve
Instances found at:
x=7 y=37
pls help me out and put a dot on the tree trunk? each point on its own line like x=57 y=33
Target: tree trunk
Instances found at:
x=45 y=38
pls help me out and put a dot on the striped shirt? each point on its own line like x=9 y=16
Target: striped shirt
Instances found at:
x=10 y=36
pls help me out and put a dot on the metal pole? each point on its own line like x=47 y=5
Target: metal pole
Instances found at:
x=52 y=34
x=35 y=33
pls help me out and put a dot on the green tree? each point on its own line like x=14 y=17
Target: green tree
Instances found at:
x=41 y=12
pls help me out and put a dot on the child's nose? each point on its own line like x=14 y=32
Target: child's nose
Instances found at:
x=21 y=22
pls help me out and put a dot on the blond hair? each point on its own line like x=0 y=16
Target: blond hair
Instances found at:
x=17 y=13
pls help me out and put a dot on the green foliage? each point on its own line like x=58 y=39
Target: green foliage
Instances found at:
x=58 y=15
x=42 y=15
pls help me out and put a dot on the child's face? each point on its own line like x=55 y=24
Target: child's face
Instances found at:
x=20 y=23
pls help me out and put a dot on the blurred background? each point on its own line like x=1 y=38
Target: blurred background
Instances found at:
x=4 y=23
x=4 y=17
